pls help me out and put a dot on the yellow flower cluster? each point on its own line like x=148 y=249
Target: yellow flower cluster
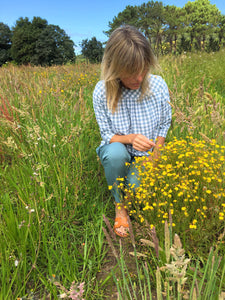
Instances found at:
x=185 y=186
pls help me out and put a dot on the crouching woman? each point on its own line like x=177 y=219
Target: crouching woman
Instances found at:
x=132 y=110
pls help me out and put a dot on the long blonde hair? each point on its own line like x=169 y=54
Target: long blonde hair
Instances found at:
x=127 y=52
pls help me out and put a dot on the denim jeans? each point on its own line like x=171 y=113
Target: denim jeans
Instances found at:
x=114 y=157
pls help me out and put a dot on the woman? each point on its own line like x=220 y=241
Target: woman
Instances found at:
x=132 y=111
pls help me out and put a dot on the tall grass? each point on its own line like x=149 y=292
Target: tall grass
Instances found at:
x=196 y=83
x=52 y=188
x=51 y=201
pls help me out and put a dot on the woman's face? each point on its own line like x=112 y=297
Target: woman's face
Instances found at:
x=133 y=82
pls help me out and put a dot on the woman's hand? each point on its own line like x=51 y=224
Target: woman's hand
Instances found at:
x=142 y=143
x=138 y=141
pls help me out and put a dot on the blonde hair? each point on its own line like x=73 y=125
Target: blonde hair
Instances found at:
x=127 y=52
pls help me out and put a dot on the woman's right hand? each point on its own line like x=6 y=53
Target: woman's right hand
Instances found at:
x=138 y=141
x=141 y=142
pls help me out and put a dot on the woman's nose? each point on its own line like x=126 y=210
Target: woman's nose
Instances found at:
x=139 y=78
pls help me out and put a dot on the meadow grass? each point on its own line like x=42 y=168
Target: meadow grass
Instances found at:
x=53 y=193
x=51 y=200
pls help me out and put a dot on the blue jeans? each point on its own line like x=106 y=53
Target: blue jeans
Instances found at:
x=114 y=157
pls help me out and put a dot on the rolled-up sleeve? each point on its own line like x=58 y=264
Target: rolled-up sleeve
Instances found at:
x=166 y=112
x=100 y=109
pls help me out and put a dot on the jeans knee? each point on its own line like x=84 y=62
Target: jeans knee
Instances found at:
x=116 y=153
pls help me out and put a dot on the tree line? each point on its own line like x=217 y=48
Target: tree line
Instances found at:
x=35 y=42
x=199 y=25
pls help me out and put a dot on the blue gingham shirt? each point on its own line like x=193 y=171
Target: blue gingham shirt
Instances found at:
x=150 y=116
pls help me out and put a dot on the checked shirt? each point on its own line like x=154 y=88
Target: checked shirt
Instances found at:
x=150 y=116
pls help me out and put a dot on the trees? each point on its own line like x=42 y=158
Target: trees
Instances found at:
x=221 y=30
x=5 y=43
x=35 y=42
x=149 y=17
x=23 y=41
x=92 y=50
x=38 y=43
x=202 y=19
x=53 y=46
x=151 y=21
x=198 y=25
x=174 y=20
x=129 y=15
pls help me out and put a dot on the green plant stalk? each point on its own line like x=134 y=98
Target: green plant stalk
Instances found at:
x=205 y=271
x=118 y=285
x=222 y=277
x=158 y=284
x=167 y=242
x=138 y=270
x=146 y=272
x=123 y=268
x=194 y=279
x=210 y=288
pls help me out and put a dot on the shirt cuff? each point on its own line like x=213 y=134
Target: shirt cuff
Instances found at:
x=163 y=131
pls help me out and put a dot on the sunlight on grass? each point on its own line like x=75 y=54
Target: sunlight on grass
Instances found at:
x=53 y=192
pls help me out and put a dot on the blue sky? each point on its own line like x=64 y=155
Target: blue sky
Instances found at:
x=81 y=19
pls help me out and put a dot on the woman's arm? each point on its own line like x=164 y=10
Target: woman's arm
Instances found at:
x=138 y=141
x=166 y=112
x=100 y=110
x=159 y=144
